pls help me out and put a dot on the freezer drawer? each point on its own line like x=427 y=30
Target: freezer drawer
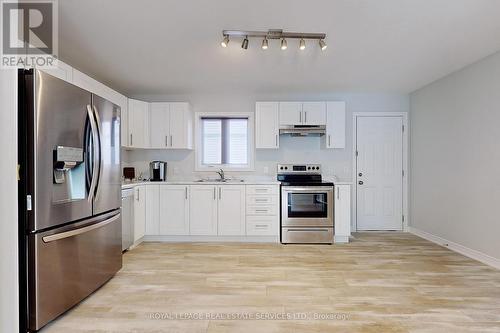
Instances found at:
x=307 y=235
x=69 y=263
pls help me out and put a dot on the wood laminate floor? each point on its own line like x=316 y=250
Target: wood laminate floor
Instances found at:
x=381 y=282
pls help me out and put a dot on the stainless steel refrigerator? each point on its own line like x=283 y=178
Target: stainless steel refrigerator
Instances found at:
x=70 y=195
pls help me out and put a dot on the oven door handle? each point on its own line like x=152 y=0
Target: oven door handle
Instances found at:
x=312 y=189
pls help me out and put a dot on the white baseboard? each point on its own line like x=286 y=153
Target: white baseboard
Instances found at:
x=468 y=252
x=340 y=239
x=194 y=239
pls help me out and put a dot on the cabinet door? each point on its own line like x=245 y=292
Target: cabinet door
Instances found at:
x=314 y=113
x=342 y=213
x=180 y=126
x=231 y=208
x=203 y=210
x=152 y=209
x=139 y=212
x=290 y=113
x=335 y=125
x=174 y=210
x=124 y=121
x=138 y=115
x=267 y=125
x=159 y=117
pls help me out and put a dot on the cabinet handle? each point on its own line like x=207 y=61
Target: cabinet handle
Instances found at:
x=186 y=193
x=138 y=194
x=276 y=140
x=214 y=193
x=305 y=116
x=300 y=117
x=261 y=226
x=338 y=193
x=171 y=141
x=131 y=141
x=166 y=140
x=220 y=193
x=329 y=140
x=261 y=200
x=261 y=210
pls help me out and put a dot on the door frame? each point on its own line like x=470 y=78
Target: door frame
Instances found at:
x=404 y=116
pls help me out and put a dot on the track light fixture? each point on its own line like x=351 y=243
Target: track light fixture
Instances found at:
x=225 y=41
x=284 y=44
x=322 y=45
x=276 y=34
x=265 y=44
x=302 y=44
x=244 y=45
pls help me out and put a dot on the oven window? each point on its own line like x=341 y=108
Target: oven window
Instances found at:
x=306 y=205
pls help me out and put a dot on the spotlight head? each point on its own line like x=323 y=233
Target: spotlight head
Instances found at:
x=322 y=45
x=302 y=44
x=244 y=45
x=225 y=41
x=284 y=45
x=265 y=44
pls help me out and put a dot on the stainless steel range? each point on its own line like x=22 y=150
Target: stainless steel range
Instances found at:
x=306 y=204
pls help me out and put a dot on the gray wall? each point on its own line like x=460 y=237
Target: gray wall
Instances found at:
x=336 y=162
x=455 y=157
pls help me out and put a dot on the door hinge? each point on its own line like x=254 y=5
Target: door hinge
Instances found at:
x=356 y=153
x=403 y=127
x=403 y=218
x=403 y=172
x=28 y=203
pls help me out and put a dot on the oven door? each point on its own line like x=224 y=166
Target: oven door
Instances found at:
x=307 y=206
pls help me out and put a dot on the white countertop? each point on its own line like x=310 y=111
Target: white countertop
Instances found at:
x=194 y=182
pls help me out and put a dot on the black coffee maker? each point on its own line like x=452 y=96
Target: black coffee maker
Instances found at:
x=158 y=171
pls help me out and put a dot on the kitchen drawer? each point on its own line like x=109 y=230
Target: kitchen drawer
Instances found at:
x=262 y=200
x=262 y=189
x=262 y=226
x=262 y=210
x=307 y=235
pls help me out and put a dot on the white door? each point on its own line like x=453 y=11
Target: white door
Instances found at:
x=231 y=221
x=290 y=113
x=335 y=124
x=152 y=196
x=314 y=113
x=179 y=125
x=138 y=125
x=159 y=117
x=174 y=210
x=203 y=210
x=139 y=212
x=267 y=125
x=379 y=173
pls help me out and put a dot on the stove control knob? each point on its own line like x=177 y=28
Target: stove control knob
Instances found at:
x=308 y=168
x=286 y=168
x=281 y=168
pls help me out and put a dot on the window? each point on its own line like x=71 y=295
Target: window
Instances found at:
x=224 y=141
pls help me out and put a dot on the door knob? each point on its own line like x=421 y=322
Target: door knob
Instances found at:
x=360 y=182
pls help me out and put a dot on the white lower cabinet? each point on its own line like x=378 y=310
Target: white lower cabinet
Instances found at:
x=152 y=209
x=203 y=210
x=174 y=210
x=139 y=212
x=342 y=213
x=231 y=210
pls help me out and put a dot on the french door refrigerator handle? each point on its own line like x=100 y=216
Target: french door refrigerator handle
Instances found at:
x=79 y=231
x=95 y=165
x=99 y=135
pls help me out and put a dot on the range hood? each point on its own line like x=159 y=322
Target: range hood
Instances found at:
x=303 y=130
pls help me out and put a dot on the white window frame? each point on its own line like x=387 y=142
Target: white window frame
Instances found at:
x=199 y=166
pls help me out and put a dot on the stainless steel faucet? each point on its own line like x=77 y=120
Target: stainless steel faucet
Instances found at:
x=221 y=174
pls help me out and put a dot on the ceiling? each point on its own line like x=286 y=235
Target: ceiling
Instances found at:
x=173 y=47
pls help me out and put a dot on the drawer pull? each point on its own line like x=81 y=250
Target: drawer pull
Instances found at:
x=261 y=210
x=261 y=200
x=261 y=226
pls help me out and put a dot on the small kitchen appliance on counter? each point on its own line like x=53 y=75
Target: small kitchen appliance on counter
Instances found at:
x=158 y=171
x=306 y=205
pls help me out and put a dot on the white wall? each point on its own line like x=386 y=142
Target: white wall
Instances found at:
x=9 y=301
x=292 y=149
x=455 y=157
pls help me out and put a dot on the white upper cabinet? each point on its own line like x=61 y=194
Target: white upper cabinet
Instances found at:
x=231 y=207
x=138 y=124
x=267 y=129
x=203 y=210
x=171 y=126
x=335 y=124
x=290 y=113
x=174 y=210
x=181 y=126
x=314 y=113
x=159 y=125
